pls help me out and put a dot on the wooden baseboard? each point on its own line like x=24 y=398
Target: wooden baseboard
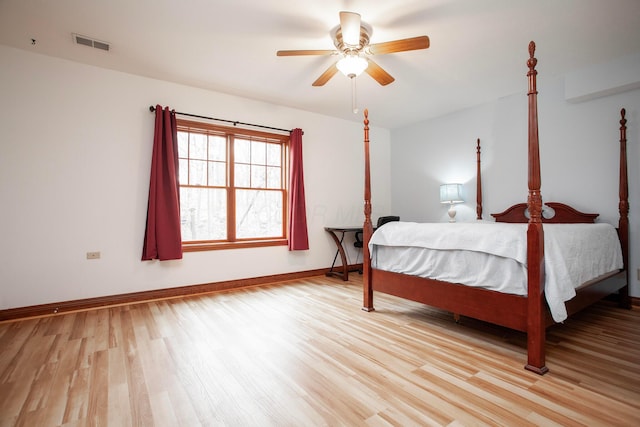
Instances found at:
x=135 y=297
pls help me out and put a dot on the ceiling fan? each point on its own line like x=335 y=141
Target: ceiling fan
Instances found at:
x=351 y=39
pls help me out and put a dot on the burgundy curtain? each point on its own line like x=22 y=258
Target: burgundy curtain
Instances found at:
x=162 y=238
x=298 y=238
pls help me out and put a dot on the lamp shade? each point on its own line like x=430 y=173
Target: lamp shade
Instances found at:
x=451 y=193
x=352 y=65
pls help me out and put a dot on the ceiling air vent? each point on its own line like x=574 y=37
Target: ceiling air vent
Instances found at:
x=88 y=41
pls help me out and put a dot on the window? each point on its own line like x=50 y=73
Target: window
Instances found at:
x=232 y=186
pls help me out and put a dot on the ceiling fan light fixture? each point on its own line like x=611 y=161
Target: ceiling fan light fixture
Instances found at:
x=352 y=65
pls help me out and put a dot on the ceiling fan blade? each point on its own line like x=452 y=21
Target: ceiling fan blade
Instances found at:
x=350 y=26
x=330 y=72
x=378 y=74
x=305 y=52
x=413 y=43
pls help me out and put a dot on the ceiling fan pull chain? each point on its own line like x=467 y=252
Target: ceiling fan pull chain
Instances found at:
x=354 y=104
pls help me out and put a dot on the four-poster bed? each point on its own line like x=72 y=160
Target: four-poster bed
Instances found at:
x=531 y=311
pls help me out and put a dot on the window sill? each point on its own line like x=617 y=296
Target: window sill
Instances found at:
x=197 y=247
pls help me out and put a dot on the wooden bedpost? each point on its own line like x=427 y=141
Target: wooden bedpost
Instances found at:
x=367 y=228
x=478 y=184
x=623 y=208
x=536 y=323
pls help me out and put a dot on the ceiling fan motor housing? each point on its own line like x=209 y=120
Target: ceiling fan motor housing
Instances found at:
x=365 y=35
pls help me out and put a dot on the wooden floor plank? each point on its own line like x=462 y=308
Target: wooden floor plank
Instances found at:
x=303 y=353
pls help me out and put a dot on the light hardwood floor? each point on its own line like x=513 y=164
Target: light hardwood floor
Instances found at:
x=303 y=353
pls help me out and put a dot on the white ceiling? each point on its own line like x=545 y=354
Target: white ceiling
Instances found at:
x=478 y=47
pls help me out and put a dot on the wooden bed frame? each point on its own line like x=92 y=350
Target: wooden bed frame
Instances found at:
x=529 y=313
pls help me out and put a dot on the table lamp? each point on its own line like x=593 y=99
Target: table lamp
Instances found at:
x=451 y=193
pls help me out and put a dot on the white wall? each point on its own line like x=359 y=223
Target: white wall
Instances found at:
x=75 y=153
x=579 y=149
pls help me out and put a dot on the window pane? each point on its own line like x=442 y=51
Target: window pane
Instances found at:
x=274 y=154
x=217 y=174
x=258 y=213
x=217 y=148
x=183 y=171
x=183 y=144
x=273 y=177
x=198 y=146
x=197 y=172
x=203 y=213
x=242 y=176
x=258 y=176
x=242 y=150
x=258 y=153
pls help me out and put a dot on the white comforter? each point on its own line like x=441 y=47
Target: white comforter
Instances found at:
x=574 y=254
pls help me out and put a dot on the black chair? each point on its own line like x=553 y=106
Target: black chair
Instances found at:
x=381 y=221
x=385 y=219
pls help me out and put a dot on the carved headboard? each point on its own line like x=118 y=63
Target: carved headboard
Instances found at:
x=552 y=213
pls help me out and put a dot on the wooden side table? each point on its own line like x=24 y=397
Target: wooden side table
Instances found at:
x=334 y=231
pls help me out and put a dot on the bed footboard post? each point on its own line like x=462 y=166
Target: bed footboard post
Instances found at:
x=536 y=307
x=623 y=209
x=478 y=183
x=367 y=228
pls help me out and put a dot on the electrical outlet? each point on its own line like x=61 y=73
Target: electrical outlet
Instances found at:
x=93 y=255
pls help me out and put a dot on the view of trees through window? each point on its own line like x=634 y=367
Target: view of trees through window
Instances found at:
x=232 y=184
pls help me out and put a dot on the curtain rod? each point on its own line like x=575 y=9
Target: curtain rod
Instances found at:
x=235 y=123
